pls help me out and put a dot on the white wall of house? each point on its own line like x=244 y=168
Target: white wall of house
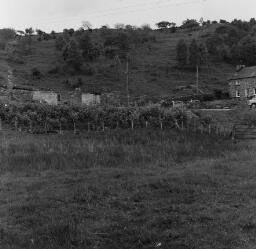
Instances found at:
x=50 y=98
x=90 y=99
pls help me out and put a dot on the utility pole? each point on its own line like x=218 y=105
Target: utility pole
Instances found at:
x=197 y=80
x=127 y=80
x=126 y=72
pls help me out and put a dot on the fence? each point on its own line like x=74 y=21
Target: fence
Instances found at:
x=221 y=129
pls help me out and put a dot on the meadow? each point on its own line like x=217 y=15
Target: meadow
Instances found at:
x=126 y=189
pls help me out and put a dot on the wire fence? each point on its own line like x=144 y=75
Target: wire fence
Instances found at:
x=220 y=129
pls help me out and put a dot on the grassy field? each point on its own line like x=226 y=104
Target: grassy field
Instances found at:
x=126 y=189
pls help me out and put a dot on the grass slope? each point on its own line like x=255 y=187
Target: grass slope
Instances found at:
x=146 y=189
x=152 y=73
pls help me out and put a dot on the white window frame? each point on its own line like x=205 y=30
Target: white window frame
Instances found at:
x=238 y=94
x=237 y=83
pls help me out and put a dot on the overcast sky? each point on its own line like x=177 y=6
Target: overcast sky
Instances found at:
x=58 y=14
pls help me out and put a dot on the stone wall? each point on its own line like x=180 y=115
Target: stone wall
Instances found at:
x=76 y=97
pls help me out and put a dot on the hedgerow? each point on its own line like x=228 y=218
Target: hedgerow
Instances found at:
x=36 y=117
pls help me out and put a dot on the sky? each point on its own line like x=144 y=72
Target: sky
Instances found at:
x=59 y=14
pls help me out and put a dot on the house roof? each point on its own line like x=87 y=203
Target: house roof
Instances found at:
x=247 y=72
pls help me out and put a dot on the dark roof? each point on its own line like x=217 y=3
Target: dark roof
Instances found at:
x=247 y=72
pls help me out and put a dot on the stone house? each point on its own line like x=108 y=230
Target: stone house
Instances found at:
x=243 y=83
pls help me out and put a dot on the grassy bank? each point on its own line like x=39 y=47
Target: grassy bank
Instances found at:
x=142 y=189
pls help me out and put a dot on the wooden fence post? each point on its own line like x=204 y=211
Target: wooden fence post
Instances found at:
x=146 y=124
x=30 y=126
x=233 y=133
x=60 y=127
x=16 y=123
x=88 y=127
x=1 y=127
x=161 y=124
x=74 y=127
x=132 y=125
x=45 y=126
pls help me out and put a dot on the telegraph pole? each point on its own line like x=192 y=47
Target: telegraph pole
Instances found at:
x=126 y=72
x=127 y=80
x=197 y=80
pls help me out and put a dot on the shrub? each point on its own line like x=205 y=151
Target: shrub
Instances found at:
x=60 y=43
x=54 y=70
x=110 y=52
x=2 y=45
x=74 y=83
x=88 y=70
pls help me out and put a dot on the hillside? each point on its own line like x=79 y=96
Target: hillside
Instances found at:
x=152 y=69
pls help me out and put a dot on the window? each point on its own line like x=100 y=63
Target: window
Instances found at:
x=237 y=94
x=237 y=83
x=58 y=97
x=254 y=91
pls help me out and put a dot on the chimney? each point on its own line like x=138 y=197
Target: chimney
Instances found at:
x=239 y=67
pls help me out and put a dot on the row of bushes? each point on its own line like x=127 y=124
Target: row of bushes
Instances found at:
x=43 y=117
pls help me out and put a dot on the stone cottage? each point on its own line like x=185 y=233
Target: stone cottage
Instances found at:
x=48 y=97
x=243 y=83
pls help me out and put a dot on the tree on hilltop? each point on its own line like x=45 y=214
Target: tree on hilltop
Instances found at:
x=190 y=24
x=29 y=31
x=163 y=24
x=86 y=25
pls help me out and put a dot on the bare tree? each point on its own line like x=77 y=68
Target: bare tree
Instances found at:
x=86 y=25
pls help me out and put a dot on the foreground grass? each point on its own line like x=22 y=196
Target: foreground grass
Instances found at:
x=143 y=189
